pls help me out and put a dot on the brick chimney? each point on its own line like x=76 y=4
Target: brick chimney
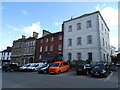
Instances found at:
x=35 y=34
x=45 y=32
x=23 y=36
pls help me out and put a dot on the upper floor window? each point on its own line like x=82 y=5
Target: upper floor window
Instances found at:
x=79 y=56
x=78 y=26
x=33 y=43
x=46 y=39
x=7 y=58
x=51 y=47
x=60 y=37
x=106 y=45
x=70 y=28
x=89 y=24
x=41 y=40
x=52 y=38
x=105 y=31
x=69 y=42
x=46 y=48
x=89 y=39
x=103 y=42
x=41 y=48
x=79 y=41
x=102 y=26
x=8 y=53
x=60 y=47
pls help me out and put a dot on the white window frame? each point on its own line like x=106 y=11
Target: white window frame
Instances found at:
x=89 y=23
x=41 y=40
x=89 y=39
x=70 y=42
x=78 y=26
x=52 y=38
x=60 y=37
x=79 y=40
x=70 y=28
x=46 y=39
x=59 y=47
x=46 y=48
x=41 y=48
x=51 y=48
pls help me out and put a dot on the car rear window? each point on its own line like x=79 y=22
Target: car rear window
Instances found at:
x=55 y=64
x=65 y=63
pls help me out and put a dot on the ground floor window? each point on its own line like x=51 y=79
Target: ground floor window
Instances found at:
x=90 y=56
x=104 y=56
x=79 y=56
x=69 y=56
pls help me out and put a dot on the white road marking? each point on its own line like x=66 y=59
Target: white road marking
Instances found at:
x=108 y=76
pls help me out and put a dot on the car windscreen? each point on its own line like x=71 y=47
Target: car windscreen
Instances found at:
x=45 y=65
x=80 y=66
x=55 y=64
x=99 y=67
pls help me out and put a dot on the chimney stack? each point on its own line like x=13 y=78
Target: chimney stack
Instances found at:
x=35 y=34
x=23 y=36
x=45 y=32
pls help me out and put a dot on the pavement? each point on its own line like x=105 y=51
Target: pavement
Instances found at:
x=64 y=80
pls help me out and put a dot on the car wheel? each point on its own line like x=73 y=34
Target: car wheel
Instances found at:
x=5 y=70
x=39 y=72
x=45 y=71
x=67 y=69
x=59 y=72
x=87 y=72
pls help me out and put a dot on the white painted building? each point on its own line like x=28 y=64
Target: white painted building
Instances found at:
x=0 y=58
x=5 y=57
x=86 y=37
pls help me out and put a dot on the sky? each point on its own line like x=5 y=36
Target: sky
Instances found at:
x=22 y=18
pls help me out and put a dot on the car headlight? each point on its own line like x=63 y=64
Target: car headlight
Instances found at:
x=91 y=71
x=103 y=71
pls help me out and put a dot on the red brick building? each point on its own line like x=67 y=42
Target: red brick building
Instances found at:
x=49 y=47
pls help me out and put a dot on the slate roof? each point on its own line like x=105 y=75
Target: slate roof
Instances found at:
x=85 y=15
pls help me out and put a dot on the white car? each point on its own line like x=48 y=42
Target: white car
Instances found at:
x=0 y=67
x=34 y=66
x=24 y=67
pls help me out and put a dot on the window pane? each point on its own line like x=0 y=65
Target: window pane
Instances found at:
x=78 y=26
x=89 y=24
x=89 y=56
x=51 y=48
x=79 y=56
x=69 y=56
x=60 y=47
x=79 y=41
x=70 y=28
x=89 y=38
x=70 y=42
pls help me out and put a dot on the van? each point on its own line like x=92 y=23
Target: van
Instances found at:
x=58 y=67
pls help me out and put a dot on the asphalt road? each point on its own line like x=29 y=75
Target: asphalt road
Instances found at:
x=64 y=80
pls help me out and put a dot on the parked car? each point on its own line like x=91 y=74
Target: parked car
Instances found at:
x=58 y=67
x=44 y=68
x=34 y=66
x=100 y=70
x=0 y=67
x=118 y=64
x=24 y=67
x=83 y=69
x=10 y=67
